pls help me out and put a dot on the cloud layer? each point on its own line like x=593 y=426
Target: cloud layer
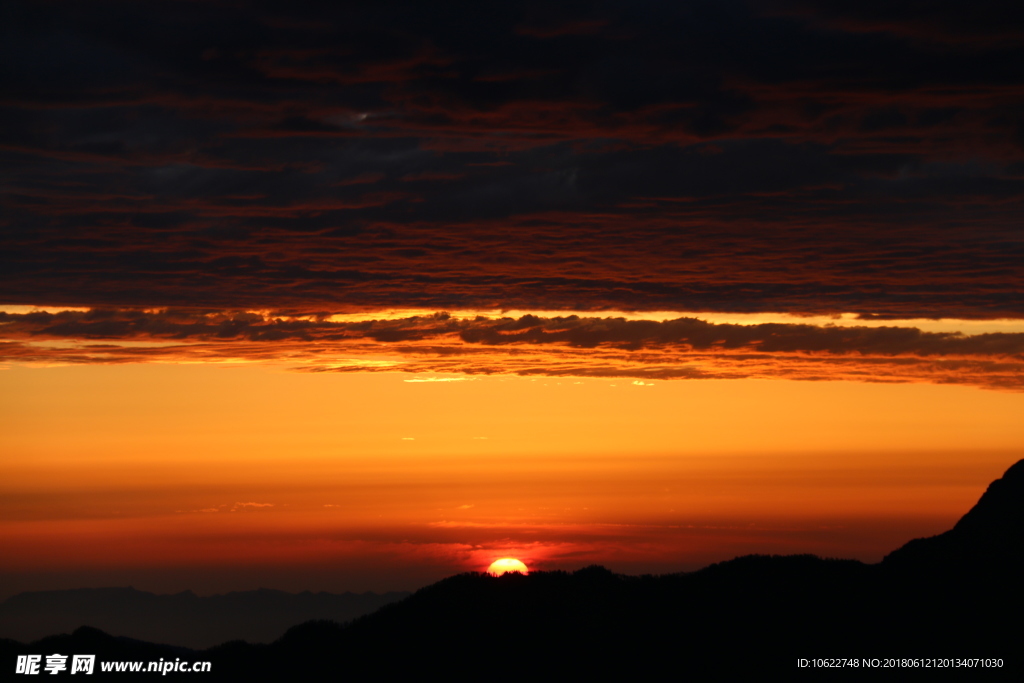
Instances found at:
x=631 y=156
x=570 y=346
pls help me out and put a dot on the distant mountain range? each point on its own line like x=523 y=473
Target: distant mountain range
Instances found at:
x=947 y=602
x=183 y=619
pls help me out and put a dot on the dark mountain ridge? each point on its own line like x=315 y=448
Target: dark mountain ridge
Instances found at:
x=184 y=619
x=989 y=538
x=948 y=602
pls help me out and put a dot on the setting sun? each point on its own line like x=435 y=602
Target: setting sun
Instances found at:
x=506 y=565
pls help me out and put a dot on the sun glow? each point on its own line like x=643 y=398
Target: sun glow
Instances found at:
x=506 y=565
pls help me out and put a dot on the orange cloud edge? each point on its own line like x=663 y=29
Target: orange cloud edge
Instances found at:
x=987 y=354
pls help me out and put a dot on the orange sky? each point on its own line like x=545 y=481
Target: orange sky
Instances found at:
x=348 y=300
x=228 y=476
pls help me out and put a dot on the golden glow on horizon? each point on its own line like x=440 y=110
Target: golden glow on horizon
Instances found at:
x=506 y=565
x=250 y=465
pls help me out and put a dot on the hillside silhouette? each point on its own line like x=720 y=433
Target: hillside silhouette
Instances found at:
x=951 y=596
x=183 y=619
x=988 y=539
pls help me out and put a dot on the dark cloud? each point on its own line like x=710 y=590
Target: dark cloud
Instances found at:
x=641 y=156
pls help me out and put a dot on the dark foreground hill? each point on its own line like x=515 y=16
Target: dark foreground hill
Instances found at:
x=988 y=539
x=950 y=602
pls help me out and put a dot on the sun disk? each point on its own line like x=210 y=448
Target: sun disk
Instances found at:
x=505 y=565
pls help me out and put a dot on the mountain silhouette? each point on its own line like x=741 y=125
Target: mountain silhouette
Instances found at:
x=987 y=539
x=947 y=602
x=184 y=619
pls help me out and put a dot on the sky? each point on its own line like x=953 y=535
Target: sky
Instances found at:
x=356 y=296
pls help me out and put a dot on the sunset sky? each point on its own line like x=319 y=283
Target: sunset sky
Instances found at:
x=338 y=296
